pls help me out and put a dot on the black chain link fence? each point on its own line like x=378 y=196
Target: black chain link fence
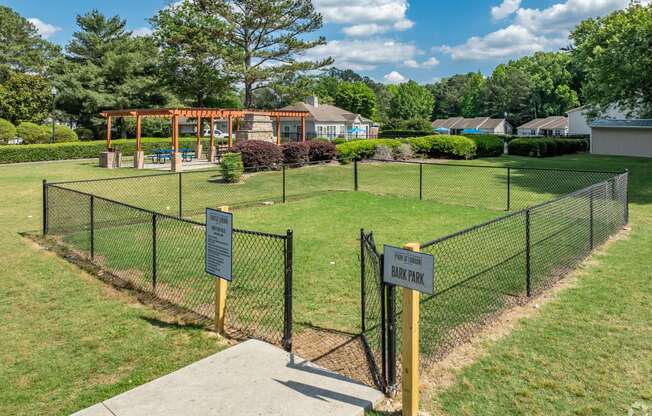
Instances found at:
x=163 y=256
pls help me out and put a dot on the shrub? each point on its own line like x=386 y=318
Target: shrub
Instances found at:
x=32 y=133
x=259 y=153
x=401 y=134
x=7 y=131
x=488 y=145
x=320 y=150
x=403 y=152
x=295 y=153
x=231 y=167
x=383 y=152
x=84 y=133
x=338 y=140
x=64 y=134
x=546 y=147
x=363 y=148
x=443 y=146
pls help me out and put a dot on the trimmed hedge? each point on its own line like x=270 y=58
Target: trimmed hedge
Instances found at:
x=7 y=130
x=82 y=150
x=63 y=134
x=321 y=150
x=363 y=148
x=488 y=145
x=295 y=153
x=546 y=147
x=32 y=133
x=444 y=146
x=84 y=133
x=258 y=153
x=403 y=134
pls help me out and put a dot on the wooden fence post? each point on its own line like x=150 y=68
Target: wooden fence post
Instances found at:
x=221 y=287
x=410 y=353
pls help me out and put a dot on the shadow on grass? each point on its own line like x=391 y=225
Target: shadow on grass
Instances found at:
x=172 y=325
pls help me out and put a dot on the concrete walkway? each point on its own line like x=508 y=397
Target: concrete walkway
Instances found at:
x=252 y=378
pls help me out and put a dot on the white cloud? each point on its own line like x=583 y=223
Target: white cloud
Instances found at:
x=429 y=63
x=366 y=17
x=411 y=63
x=532 y=30
x=361 y=55
x=44 y=29
x=142 y=31
x=506 y=8
x=394 y=77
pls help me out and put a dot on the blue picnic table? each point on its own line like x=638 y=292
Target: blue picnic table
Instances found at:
x=163 y=155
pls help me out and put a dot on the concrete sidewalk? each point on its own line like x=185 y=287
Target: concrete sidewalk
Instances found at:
x=252 y=378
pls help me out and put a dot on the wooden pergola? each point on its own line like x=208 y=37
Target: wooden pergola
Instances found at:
x=198 y=114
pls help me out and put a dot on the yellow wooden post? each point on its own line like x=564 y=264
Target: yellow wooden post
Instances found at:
x=410 y=353
x=221 y=287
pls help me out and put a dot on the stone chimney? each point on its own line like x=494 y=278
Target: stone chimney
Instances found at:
x=313 y=101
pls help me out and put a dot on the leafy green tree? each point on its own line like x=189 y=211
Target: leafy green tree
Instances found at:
x=32 y=133
x=21 y=47
x=357 y=98
x=193 y=61
x=472 y=97
x=265 y=37
x=25 y=97
x=410 y=100
x=508 y=94
x=455 y=92
x=614 y=54
x=7 y=130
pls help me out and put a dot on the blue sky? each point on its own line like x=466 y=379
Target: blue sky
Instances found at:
x=388 y=40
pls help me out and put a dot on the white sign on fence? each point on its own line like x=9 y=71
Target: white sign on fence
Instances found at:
x=219 y=243
x=409 y=269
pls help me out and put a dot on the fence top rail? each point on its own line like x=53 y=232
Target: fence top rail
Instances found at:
x=520 y=212
x=416 y=162
x=164 y=216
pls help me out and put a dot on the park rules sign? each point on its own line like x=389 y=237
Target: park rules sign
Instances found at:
x=219 y=244
x=409 y=269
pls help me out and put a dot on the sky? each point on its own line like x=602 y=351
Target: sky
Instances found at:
x=390 y=41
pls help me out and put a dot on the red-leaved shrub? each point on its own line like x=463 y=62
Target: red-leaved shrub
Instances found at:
x=321 y=150
x=258 y=153
x=295 y=153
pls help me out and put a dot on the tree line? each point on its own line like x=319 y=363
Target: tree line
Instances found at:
x=248 y=53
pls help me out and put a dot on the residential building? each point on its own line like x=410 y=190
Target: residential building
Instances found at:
x=484 y=125
x=549 y=126
x=622 y=137
x=578 y=119
x=326 y=121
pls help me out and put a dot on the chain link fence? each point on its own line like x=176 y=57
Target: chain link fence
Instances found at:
x=163 y=256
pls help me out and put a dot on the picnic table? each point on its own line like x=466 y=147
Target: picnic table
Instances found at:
x=163 y=155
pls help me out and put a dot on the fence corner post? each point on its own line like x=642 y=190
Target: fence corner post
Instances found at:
x=92 y=224
x=45 y=207
x=221 y=289
x=410 y=352
x=355 y=173
x=287 y=311
x=509 y=188
x=180 y=196
x=154 y=271
x=528 y=280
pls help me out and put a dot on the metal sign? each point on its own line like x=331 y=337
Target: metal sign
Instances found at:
x=409 y=269
x=219 y=244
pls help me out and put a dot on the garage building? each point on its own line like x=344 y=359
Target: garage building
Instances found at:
x=622 y=137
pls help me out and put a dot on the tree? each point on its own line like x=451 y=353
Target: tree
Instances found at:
x=21 y=47
x=25 y=97
x=472 y=97
x=265 y=37
x=410 y=100
x=614 y=54
x=107 y=68
x=454 y=93
x=357 y=98
x=193 y=62
x=508 y=94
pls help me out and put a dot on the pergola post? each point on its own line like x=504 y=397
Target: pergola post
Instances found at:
x=109 y=159
x=175 y=160
x=230 y=131
x=108 y=133
x=198 y=146
x=278 y=130
x=139 y=155
x=212 y=154
x=303 y=128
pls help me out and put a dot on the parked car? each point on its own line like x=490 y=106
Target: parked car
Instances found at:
x=219 y=134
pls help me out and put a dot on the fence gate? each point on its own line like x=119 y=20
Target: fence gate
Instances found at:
x=378 y=315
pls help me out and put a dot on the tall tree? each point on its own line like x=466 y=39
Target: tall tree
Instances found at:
x=410 y=101
x=471 y=101
x=454 y=93
x=21 y=47
x=508 y=94
x=614 y=54
x=266 y=37
x=193 y=61
x=25 y=97
x=357 y=98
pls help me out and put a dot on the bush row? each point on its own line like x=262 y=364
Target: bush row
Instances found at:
x=32 y=133
x=436 y=146
x=403 y=134
x=257 y=153
x=488 y=145
x=82 y=150
x=546 y=147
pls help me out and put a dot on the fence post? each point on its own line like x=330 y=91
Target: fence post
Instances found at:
x=383 y=326
x=287 y=318
x=391 y=335
x=626 y=196
x=221 y=290
x=591 y=243
x=92 y=221
x=528 y=281
x=509 y=186
x=355 y=173
x=180 y=197
x=154 y=216
x=410 y=349
x=420 y=180
x=362 y=281
x=45 y=207
x=284 y=184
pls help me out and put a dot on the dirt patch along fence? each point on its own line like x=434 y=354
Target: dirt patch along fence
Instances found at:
x=163 y=256
x=485 y=269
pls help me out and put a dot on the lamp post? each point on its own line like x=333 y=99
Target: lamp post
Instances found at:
x=54 y=92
